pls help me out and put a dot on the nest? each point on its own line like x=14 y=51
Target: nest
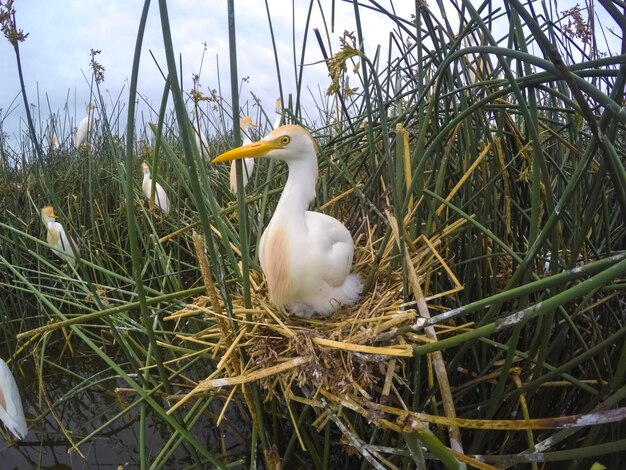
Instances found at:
x=357 y=354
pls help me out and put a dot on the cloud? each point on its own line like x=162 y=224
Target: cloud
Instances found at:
x=56 y=54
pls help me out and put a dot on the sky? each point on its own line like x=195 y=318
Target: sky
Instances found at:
x=61 y=33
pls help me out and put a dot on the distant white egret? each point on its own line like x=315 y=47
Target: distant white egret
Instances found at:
x=245 y=123
x=160 y=197
x=85 y=126
x=58 y=240
x=11 y=411
x=279 y=111
x=54 y=141
x=200 y=137
x=203 y=144
x=306 y=256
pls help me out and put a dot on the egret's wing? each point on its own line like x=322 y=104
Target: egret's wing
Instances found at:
x=162 y=200
x=332 y=247
x=11 y=411
x=53 y=236
x=66 y=242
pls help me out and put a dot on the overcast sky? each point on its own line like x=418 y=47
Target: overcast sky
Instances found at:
x=55 y=56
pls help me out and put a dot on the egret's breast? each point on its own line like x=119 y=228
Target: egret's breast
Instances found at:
x=274 y=259
x=145 y=185
x=53 y=236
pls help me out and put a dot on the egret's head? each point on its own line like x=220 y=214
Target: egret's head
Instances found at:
x=47 y=214
x=287 y=143
x=145 y=167
x=89 y=107
x=246 y=122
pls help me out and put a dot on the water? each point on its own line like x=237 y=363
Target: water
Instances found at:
x=47 y=447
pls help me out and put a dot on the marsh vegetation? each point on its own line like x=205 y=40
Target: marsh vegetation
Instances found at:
x=479 y=166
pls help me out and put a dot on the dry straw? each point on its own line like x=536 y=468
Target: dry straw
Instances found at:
x=360 y=352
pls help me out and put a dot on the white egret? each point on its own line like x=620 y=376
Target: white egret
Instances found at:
x=54 y=141
x=160 y=197
x=203 y=144
x=58 y=240
x=245 y=123
x=279 y=111
x=11 y=411
x=201 y=140
x=82 y=133
x=306 y=256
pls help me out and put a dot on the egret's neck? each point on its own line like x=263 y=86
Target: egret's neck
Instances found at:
x=299 y=190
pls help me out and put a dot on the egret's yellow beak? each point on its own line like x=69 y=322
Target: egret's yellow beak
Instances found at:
x=253 y=150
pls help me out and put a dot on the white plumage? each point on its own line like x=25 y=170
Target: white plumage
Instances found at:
x=54 y=141
x=200 y=137
x=58 y=240
x=279 y=111
x=245 y=123
x=306 y=256
x=87 y=123
x=160 y=197
x=11 y=411
x=203 y=144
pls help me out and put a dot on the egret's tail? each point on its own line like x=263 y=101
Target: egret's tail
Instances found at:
x=327 y=302
x=350 y=291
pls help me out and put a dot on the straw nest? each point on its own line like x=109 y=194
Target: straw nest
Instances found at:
x=357 y=354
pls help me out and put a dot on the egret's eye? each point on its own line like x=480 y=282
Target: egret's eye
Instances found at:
x=285 y=140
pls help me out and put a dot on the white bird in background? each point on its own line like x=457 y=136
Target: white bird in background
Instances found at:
x=11 y=411
x=54 y=141
x=203 y=144
x=279 y=111
x=58 y=240
x=201 y=139
x=245 y=123
x=160 y=198
x=306 y=256
x=82 y=133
